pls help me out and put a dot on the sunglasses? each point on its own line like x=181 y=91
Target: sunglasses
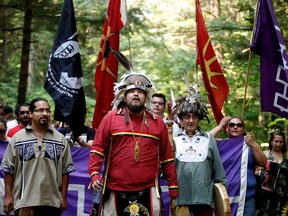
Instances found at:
x=2 y=131
x=238 y=125
x=24 y=112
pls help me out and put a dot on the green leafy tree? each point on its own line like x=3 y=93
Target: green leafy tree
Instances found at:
x=160 y=40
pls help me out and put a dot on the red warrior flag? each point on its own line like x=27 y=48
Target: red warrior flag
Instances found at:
x=213 y=76
x=107 y=65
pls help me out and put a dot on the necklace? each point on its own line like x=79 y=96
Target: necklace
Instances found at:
x=137 y=142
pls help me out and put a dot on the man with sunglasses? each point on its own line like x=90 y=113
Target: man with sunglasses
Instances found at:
x=239 y=154
x=23 y=119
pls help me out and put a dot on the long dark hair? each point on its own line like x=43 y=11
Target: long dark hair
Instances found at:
x=272 y=136
x=32 y=103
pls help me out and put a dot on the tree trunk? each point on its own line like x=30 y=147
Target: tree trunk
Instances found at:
x=215 y=8
x=27 y=31
x=4 y=62
x=4 y=50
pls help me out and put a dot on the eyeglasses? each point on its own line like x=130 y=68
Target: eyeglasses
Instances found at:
x=2 y=131
x=24 y=112
x=42 y=110
x=159 y=103
x=238 y=125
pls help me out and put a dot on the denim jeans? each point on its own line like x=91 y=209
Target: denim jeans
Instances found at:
x=249 y=209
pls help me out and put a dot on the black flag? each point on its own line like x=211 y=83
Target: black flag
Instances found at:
x=64 y=78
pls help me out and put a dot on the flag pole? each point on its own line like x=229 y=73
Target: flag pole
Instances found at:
x=170 y=134
x=196 y=65
x=249 y=62
x=246 y=84
x=128 y=31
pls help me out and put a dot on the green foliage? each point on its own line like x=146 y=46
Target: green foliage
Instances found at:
x=161 y=37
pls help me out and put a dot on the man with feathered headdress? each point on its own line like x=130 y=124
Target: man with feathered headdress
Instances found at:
x=134 y=142
x=198 y=161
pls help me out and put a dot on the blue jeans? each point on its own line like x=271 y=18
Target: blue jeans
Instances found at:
x=249 y=209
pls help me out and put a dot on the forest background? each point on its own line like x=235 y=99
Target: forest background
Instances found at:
x=159 y=40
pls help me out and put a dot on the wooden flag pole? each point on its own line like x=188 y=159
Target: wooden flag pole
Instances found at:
x=170 y=125
x=170 y=133
x=246 y=85
x=128 y=32
x=249 y=61
x=105 y=176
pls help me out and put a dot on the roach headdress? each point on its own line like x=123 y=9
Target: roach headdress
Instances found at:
x=132 y=80
x=191 y=104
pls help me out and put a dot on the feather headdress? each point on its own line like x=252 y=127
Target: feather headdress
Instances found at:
x=132 y=80
x=191 y=104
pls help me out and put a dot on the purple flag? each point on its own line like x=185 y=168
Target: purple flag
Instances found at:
x=79 y=197
x=234 y=157
x=268 y=43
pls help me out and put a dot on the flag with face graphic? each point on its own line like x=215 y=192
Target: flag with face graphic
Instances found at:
x=268 y=43
x=64 y=78
x=213 y=77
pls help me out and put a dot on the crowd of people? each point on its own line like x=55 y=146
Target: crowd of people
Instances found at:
x=133 y=146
